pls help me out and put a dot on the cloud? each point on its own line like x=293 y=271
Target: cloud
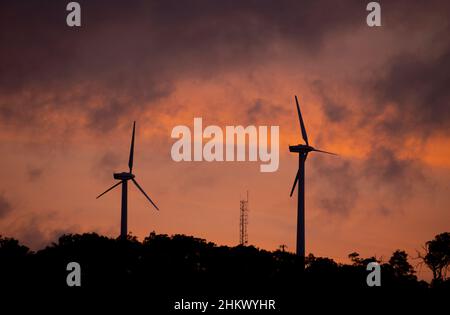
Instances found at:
x=34 y=173
x=126 y=58
x=334 y=111
x=37 y=231
x=338 y=191
x=417 y=87
x=344 y=183
x=384 y=168
x=108 y=163
x=263 y=110
x=5 y=206
x=151 y=58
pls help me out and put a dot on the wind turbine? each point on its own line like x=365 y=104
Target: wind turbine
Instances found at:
x=124 y=177
x=302 y=151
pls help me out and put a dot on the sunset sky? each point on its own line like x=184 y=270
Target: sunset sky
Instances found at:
x=378 y=96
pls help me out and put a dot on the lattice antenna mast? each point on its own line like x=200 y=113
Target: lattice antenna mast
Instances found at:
x=243 y=222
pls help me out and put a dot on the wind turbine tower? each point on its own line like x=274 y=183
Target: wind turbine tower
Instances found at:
x=302 y=150
x=123 y=178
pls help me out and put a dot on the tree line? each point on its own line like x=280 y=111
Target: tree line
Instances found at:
x=179 y=262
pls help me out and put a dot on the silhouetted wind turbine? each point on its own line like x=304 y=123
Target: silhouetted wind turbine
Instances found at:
x=124 y=177
x=302 y=151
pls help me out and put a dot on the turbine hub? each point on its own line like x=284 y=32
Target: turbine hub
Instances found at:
x=123 y=176
x=300 y=148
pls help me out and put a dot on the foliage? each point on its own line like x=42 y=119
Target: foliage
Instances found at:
x=178 y=263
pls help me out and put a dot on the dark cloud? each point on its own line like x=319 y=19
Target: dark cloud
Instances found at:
x=5 y=206
x=408 y=94
x=34 y=173
x=35 y=232
x=334 y=111
x=110 y=162
x=384 y=168
x=263 y=110
x=37 y=237
x=418 y=87
x=338 y=191
x=126 y=57
x=382 y=173
x=385 y=211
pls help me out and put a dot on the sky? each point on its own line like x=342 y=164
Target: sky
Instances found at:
x=377 y=96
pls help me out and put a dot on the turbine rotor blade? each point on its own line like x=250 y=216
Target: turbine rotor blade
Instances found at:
x=302 y=125
x=109 y=189
x=325 y=152
x=130 y=161
x=142 y=191
x=295 y=182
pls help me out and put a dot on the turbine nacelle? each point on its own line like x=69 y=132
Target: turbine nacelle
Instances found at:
x=305 y=149
x=301 y=148
x=123 y=176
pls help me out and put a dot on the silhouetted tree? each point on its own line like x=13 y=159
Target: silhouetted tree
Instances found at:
x=437 y=257
x=354 y=258
x=400 y=265
x=11 y=249
x=13 y=260
x=362 y=262
x=177 y=264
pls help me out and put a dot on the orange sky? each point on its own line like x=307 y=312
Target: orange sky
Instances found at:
x=375 y=96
